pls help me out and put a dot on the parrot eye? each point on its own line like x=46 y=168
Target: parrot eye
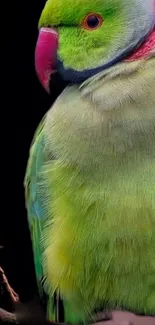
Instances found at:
x=92 y=21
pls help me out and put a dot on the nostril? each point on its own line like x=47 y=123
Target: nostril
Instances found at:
x=49 y=30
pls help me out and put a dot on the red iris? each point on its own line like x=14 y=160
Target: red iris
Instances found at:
x=92 y=21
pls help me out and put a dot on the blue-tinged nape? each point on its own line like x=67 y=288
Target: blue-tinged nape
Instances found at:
x=75 y=76
x=136 y=29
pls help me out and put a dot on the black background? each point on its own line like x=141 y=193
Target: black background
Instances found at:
x=29 y=102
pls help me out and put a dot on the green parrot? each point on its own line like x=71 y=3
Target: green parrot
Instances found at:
x=90 y=178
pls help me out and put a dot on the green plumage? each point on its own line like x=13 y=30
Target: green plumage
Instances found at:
x=90 y=180
x=79 y=49
x=93 y=165
x=31 y=195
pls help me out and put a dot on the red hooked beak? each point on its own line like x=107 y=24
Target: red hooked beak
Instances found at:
x=45 y=56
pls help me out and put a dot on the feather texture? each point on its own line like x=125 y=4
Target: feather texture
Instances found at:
x=92 y=171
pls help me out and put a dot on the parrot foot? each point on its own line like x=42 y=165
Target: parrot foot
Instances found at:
x=102 y=316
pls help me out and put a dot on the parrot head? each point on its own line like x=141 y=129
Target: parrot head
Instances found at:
x=80 y=38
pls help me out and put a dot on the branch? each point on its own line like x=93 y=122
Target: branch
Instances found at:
x=12 y=294
x=7 y=317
